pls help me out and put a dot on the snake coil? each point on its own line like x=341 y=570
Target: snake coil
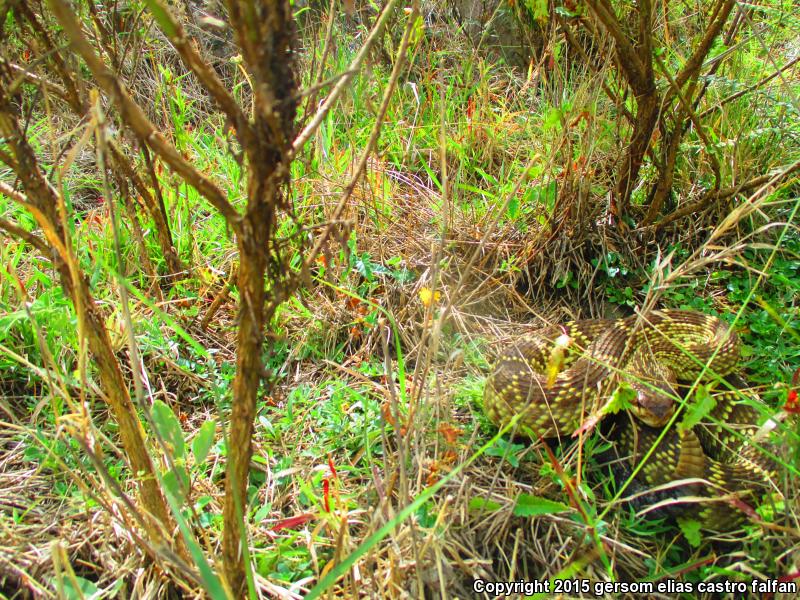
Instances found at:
x=554 y=381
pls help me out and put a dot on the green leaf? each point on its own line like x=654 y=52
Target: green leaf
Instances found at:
x=364 y=266
x=484 y=505
x=201 y=443
x=553 y=119
x=417 y=33
x=538 y=9
x=691 y=531
x=513 y=208
x=403 y=275
x=703 y=404
x=169 y=428
x=262 y=513
x=529 y=506
x=506 y=450
x=621 y=399
x=211 y=582
x=176 y=482
x=425 y=516
x=588 y=492
x=86 y=589
x=564 y=12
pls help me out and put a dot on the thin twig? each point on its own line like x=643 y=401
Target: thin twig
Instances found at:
x=701 y=203
x=628 y=58
x=687 y=107
x=200 y=67
x=373 y=138
x=318 y=84
x=137 y=120
x=33 y=239
x=749 y=88
x=719 y=16
x=609 y=92
x=354 y=67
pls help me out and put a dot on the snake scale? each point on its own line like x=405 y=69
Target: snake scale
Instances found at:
x=557 y=379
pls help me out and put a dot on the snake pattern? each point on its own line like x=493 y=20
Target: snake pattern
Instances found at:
x=556 y=381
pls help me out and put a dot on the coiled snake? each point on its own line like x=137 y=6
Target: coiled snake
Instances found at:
x=556 y=379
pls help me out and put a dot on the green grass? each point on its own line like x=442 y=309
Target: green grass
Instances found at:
x=332 y=393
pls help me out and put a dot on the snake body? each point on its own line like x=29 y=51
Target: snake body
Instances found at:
x=554 y=382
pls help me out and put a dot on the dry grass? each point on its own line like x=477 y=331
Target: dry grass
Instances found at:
x=416 y=439
x=456 y=544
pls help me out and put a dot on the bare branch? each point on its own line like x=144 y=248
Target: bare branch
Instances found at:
x=565 y=27
x=15 y=195
x=749 y=88
x=71 y=91
x=311 y=91
x=25 y=235
x=667 y=175
x=154 y=207
x=200 y=67
x=136 y=119
x=332 y=98
x=629 y=60
x=45 y=222
x=644 y=46
x=687 y=107
x=719 y=16
x=707 y=199
x=47 y=207
x=25 y=75
x=373 y=138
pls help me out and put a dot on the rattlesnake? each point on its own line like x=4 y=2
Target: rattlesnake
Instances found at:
x=556 y=379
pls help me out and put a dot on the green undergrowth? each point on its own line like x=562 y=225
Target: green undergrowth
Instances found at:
x=325 y=435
